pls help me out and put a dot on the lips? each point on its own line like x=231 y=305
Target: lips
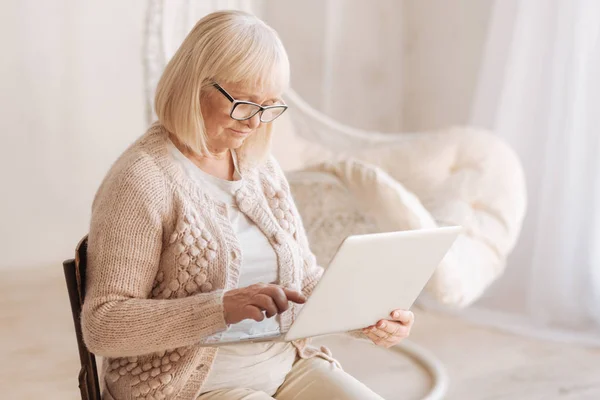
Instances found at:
x=241 y=132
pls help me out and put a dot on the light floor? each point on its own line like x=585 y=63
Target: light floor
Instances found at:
x=39 y=353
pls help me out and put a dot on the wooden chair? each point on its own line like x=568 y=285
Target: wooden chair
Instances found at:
x=89 y=382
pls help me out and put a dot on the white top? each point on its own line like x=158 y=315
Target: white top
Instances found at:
x=252 y=365
x=259 y=261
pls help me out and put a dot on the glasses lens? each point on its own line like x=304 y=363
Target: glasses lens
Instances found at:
x=244 y=111
x=271 y=113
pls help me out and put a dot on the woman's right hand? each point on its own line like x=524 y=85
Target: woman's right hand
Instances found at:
x=250 y=302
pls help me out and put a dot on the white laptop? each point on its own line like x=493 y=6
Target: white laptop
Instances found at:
x=369 y=276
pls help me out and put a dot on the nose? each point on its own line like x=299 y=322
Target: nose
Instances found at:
x=254 y=122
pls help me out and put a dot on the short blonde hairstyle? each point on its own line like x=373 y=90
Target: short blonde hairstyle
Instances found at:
x=224 y=47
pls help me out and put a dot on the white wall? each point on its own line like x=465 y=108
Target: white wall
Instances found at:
x=71 y=99
x=443 y=48
x=346 y=57
x=385 y=65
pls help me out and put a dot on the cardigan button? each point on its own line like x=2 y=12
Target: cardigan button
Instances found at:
x=245 y=205
x=239 y=196
x=279 y=238
x=284 y=224
x=270 y=192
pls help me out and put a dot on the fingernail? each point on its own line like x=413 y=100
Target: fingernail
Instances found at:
x=382 y=325
x=396 y=314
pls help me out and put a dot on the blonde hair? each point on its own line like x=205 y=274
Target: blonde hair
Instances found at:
x=224 y=46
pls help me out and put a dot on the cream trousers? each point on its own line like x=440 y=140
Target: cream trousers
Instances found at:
x=309 y=379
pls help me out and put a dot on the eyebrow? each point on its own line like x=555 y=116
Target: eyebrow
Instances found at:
x=253 y=98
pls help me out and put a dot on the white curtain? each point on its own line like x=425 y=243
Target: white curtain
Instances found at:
x=539 y=89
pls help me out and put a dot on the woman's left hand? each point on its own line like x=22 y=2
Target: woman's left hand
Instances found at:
x=388 y=333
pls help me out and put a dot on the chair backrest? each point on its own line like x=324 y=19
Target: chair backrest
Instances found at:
x=75 y=270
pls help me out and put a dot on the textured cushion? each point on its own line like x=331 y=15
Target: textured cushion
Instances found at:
x=329 y=211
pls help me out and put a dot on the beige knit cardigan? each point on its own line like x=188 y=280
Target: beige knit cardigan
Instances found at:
x=161 y=254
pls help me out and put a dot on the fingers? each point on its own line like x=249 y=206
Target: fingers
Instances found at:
x=405 y=317
x=393 y=328
x=379 y=341
x=294 y=296
x=379 y=332
x=381 y=329
x=282 y=295
x=278 y=295
x=250 y=302
x=387 y=333
x=387 y=327
x=266 y=303
x=396 y=328
x=253 y=312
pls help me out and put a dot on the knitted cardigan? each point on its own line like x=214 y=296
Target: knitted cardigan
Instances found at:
x=161 y=254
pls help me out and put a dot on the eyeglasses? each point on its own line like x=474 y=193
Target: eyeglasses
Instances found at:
x=243 y=110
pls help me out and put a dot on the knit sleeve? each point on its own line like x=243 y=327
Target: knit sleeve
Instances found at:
x=124 y=249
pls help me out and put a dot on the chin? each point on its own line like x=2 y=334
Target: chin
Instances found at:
x=235 y=143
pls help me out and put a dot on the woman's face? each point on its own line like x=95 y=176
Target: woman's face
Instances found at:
x=223 y=131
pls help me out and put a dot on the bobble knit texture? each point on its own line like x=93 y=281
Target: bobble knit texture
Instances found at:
x=162 y=253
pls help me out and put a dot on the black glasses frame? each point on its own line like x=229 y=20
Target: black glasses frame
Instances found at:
x=259 y=109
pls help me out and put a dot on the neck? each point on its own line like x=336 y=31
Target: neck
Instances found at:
x=219 y=163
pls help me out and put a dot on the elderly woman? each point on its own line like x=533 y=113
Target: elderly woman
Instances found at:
x=194 y=236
